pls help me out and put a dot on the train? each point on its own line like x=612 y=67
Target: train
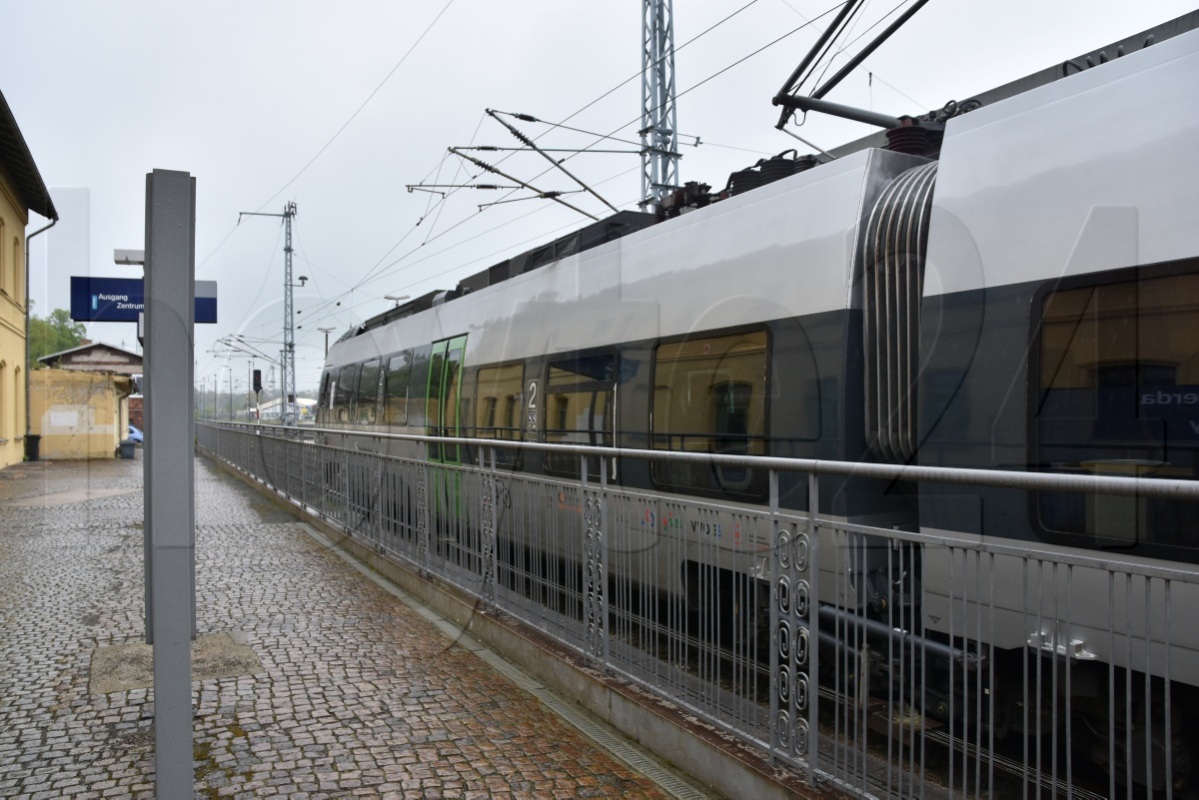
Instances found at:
x=303 y=409
x=1011 y=286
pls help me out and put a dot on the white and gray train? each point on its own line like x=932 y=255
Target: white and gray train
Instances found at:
x=1026 y=300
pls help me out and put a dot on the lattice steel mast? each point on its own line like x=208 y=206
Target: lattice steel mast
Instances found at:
x=288 y=365
x=659 y=122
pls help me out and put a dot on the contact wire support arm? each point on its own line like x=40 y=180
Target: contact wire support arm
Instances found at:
x=547 y=195
x=527 y=142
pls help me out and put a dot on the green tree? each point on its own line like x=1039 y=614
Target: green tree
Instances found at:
x=53 y=334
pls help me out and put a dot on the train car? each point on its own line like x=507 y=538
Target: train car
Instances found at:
x=638 y=343
x=1027 y=298
x=1059 y=332
x=303 y=410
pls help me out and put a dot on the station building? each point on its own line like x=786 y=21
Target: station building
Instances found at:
x=80 y=405
x=79 y=414
x=22 y=190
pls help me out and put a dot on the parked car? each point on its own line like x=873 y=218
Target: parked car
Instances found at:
x=135 y=434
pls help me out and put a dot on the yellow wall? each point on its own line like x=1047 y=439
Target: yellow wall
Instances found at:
x=13 y=219
x=79 y=415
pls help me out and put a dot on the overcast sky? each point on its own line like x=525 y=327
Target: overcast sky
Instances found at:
x=338 y=106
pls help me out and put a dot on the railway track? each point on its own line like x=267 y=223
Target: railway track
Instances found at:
x=938 y=764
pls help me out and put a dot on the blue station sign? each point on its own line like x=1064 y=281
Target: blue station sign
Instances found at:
x=122 y=299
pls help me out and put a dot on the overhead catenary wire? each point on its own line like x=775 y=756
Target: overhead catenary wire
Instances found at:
x=530 y=118
x=441 y=202
x=382 y=269
x=842 y=49
x=556 y=164
x=438 y=205
x=490 y=148
x=602 y=137
x=478 y=235
x=266 y=277
x=363 y=105
x=683 y=46
x=543 y=196
x=430 y=206
x=341 y=129
x=711 y=77
x=486 y=232
x=861 y=56
x=826 y=61
x=905 y=95
x=524 y=184
x=626 y=81
x=315 y=267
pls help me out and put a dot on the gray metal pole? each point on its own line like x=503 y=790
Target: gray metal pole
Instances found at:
x=169 y=470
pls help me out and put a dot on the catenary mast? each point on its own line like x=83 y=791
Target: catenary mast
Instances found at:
x=659 y=122
x=288 y=365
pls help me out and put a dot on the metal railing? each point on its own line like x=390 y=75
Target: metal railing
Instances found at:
x=885 y=662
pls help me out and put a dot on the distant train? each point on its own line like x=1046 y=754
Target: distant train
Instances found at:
x=303 y=410
x=1027 y=299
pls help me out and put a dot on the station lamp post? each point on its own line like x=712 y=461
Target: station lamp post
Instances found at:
x=326 y=331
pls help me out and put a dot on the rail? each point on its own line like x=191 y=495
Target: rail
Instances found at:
x=882 y=662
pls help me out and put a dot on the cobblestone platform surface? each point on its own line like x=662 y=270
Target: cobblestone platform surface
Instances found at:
x=357 y=695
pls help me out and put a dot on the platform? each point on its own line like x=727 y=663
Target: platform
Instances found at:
x=312 y=679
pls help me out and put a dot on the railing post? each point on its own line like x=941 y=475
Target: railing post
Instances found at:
x=595 y=556
x=288 y=445
x=304 y=477
x=605 y=545
x=813 y=744
x=490 y=517
x=380 y=506
x=776 y=577
x=422 y=506
x=323 y=480
x=343 y=513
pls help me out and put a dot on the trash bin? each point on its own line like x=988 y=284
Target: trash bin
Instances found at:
x=32 y=446
x=126 y=448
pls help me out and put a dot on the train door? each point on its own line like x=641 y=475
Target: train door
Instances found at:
x=442 y=414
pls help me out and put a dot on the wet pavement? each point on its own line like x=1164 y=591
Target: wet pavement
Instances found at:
x=334 y=687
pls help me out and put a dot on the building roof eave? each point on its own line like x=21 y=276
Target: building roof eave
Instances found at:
x=20 y=166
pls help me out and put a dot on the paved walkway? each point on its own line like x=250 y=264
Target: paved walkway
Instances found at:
x=337 y=689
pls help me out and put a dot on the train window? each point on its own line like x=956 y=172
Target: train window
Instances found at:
x=511 y=418
x=395 y=389
x=580 y=408
x=710 y=397
x=562 y=403
x=343 y=393
x=443 y=404
x=433 y=402
x=326 y=398
x=367 y=394
x=497 y=400
x=451 y=399
x=418 y=386
x=1118 y=394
